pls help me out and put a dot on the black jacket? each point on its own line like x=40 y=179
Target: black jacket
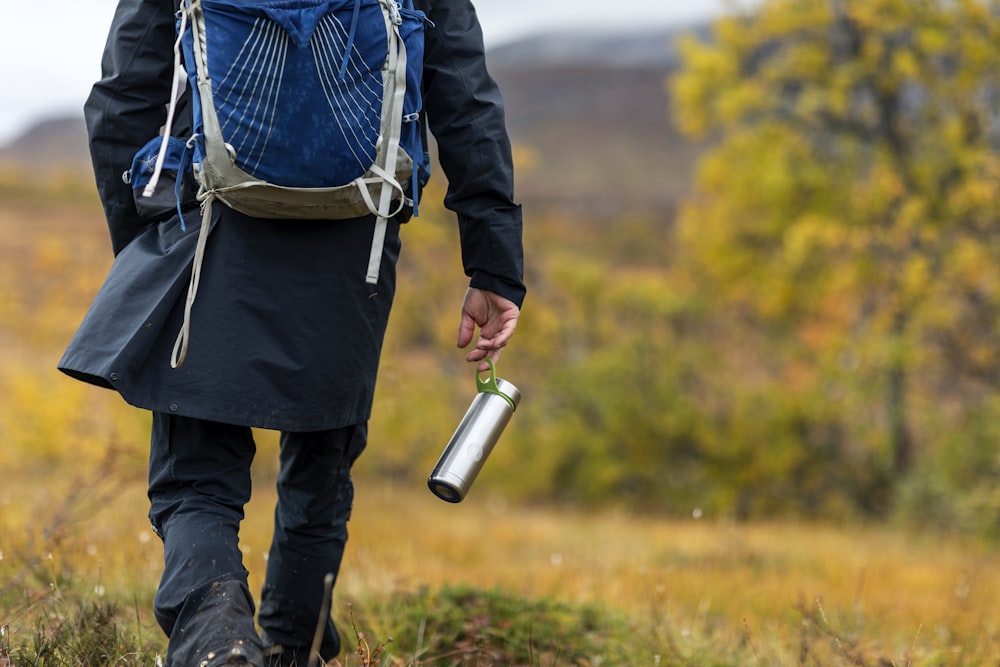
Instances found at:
x=285 y=332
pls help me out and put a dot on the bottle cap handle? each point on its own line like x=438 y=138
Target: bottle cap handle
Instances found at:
x=489 y=386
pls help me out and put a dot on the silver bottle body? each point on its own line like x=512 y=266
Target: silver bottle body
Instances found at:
x=472 y=442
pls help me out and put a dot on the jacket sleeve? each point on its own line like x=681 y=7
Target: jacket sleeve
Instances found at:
x=127 y=107
x=465 y=114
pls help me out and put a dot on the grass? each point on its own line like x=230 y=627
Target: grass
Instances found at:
x=489 y=583
x=738 y=594
x=485 y=582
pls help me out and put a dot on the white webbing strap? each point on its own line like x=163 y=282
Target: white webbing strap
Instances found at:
x=381 y=177
x=181 y=344
x=171 y=109
x=397 y=65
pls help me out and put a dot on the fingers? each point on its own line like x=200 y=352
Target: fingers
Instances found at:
x=466 y=329
x=490 y=340
x=496 y=331
x=496 y=318
x=481 y=355
x=490 y=348
x=474 y=309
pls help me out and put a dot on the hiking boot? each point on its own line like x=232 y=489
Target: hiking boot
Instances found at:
x=216 y=628
x=277 y=655
x=281 y=655
x=238 y=655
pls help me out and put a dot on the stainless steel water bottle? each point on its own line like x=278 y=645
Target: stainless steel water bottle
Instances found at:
x=474 y=438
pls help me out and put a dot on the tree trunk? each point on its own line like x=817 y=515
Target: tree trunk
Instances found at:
x=900 y=438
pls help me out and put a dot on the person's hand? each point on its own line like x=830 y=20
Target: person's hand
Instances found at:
x=496 y=318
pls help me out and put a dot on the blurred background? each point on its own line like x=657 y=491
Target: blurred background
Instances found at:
x=759 y=357
x=49 y=73
x=762 y=251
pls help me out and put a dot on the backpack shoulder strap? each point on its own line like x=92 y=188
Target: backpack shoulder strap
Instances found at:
x=397 y=68
x=175 y=92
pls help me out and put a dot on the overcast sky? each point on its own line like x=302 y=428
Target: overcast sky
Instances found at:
x=51 y=49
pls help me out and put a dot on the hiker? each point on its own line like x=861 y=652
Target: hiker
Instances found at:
x=286 y=335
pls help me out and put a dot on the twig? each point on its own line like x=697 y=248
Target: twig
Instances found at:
x=324 y=616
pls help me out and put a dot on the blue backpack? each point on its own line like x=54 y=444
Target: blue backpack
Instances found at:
x=303 y=109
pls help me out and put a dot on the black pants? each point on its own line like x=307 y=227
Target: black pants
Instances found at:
x=199 y=482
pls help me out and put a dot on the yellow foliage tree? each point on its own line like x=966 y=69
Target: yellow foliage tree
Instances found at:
x=851 y=190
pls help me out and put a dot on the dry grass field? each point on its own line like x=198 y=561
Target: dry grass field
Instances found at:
x=776 y=594
x=699 y=591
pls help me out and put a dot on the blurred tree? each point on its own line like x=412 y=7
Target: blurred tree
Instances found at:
x=850 y=197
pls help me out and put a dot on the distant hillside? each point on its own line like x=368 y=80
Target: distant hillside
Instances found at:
x=601 y=137
x=591 y=110
x=594 y=109
x=655 y=47
x=55 y=142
